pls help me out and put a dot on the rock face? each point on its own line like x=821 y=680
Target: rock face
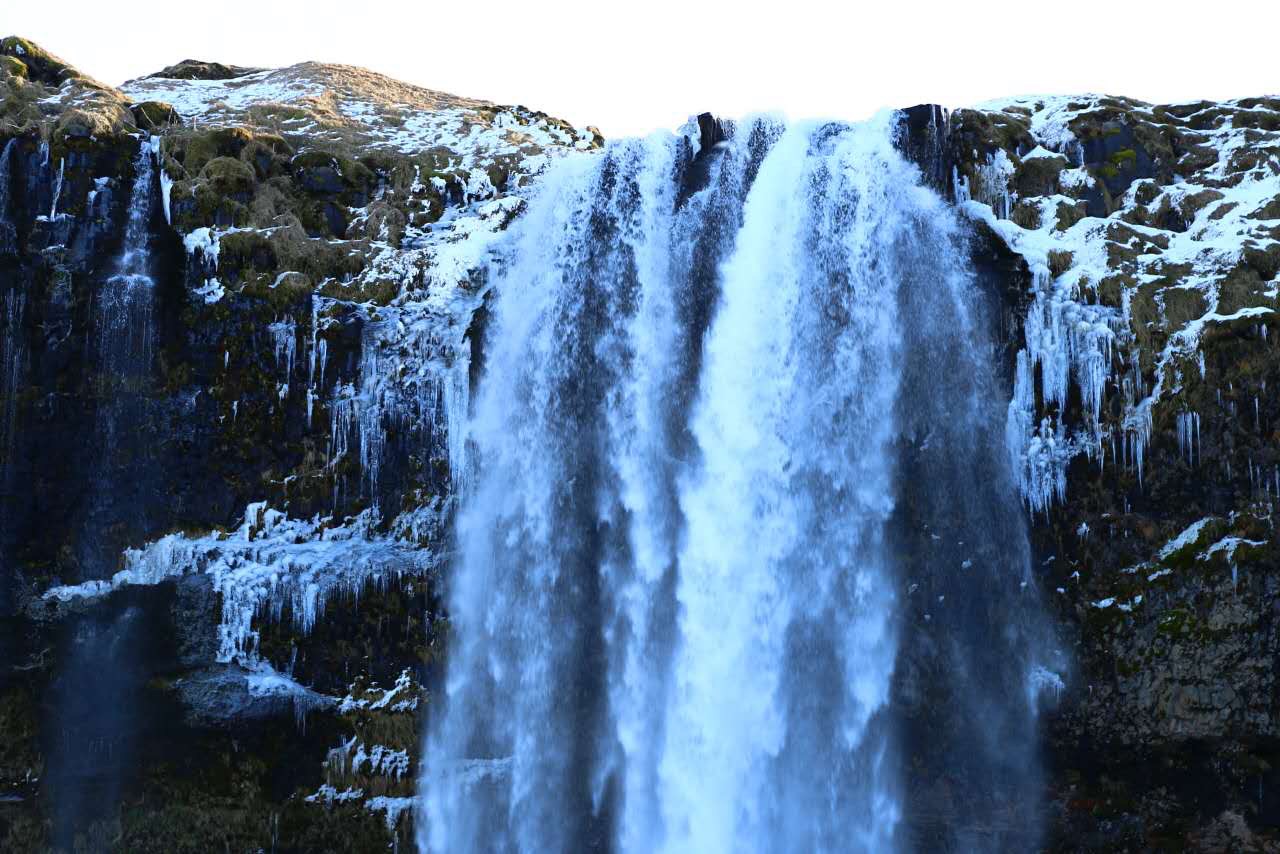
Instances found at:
x=235 y=307
x=1142 y=246
x=224 y=498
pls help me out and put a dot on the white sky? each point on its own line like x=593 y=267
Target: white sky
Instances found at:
x=631 y=67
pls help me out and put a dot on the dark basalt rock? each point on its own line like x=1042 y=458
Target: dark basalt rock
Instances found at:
x=925 y=141
x=195 y=69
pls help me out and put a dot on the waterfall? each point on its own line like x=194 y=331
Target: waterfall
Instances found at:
x=11 y=341
x=737 y=442
x=125 y=303
x=12 y=361
x=122 y=334
x=100 y=677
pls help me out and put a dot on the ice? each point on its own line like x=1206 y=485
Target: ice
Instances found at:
x=1189 y=435
x=393 y=807
x=270 y=561
x=284 y=337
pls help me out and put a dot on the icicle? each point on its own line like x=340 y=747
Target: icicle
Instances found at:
x=312 y=355
x=1198 y=447
x=284 y=334
x=57 y=188
x=1188 y=430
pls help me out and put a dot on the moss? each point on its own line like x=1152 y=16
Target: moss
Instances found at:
x=13 y=67
x=1263 y=260
x=193 y=149
x=155 y=115
x=1069 y=214
x=1241 y=288
x=41 y=65
x=1222 y=210
x=229 y=177
x=1182 y=305
x=1145 y=191
x=91 y=122
x=1125 y=158
x=19 y=111
x=268 y=155
x=1060 y=261
x=198 y=204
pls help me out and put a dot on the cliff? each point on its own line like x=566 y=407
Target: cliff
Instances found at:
x=278 y=372
x=1142 y=328
x=225 y=495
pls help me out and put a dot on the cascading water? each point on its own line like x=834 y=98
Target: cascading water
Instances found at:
x=125 y=303
x=97 y=687
x=726 y=398
x=124 y=332
x=12 y=351
x=13 y=303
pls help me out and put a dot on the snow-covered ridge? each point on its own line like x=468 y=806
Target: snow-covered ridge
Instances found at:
x=328 y=103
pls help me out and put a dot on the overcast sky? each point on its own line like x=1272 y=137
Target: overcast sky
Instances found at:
x=631 y=67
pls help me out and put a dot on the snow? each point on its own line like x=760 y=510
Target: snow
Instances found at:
x=262 y=680
x=380 y=760
x=205 y=241
x=329 y=795
x=399 y=698
x=475 y=133
x=393 y=807
x=1227 y=547
x=1050 y=116
x=210 y=292
x=1073 y=340
x=198 y=97
x=1188 y=537
x=1040 y=152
